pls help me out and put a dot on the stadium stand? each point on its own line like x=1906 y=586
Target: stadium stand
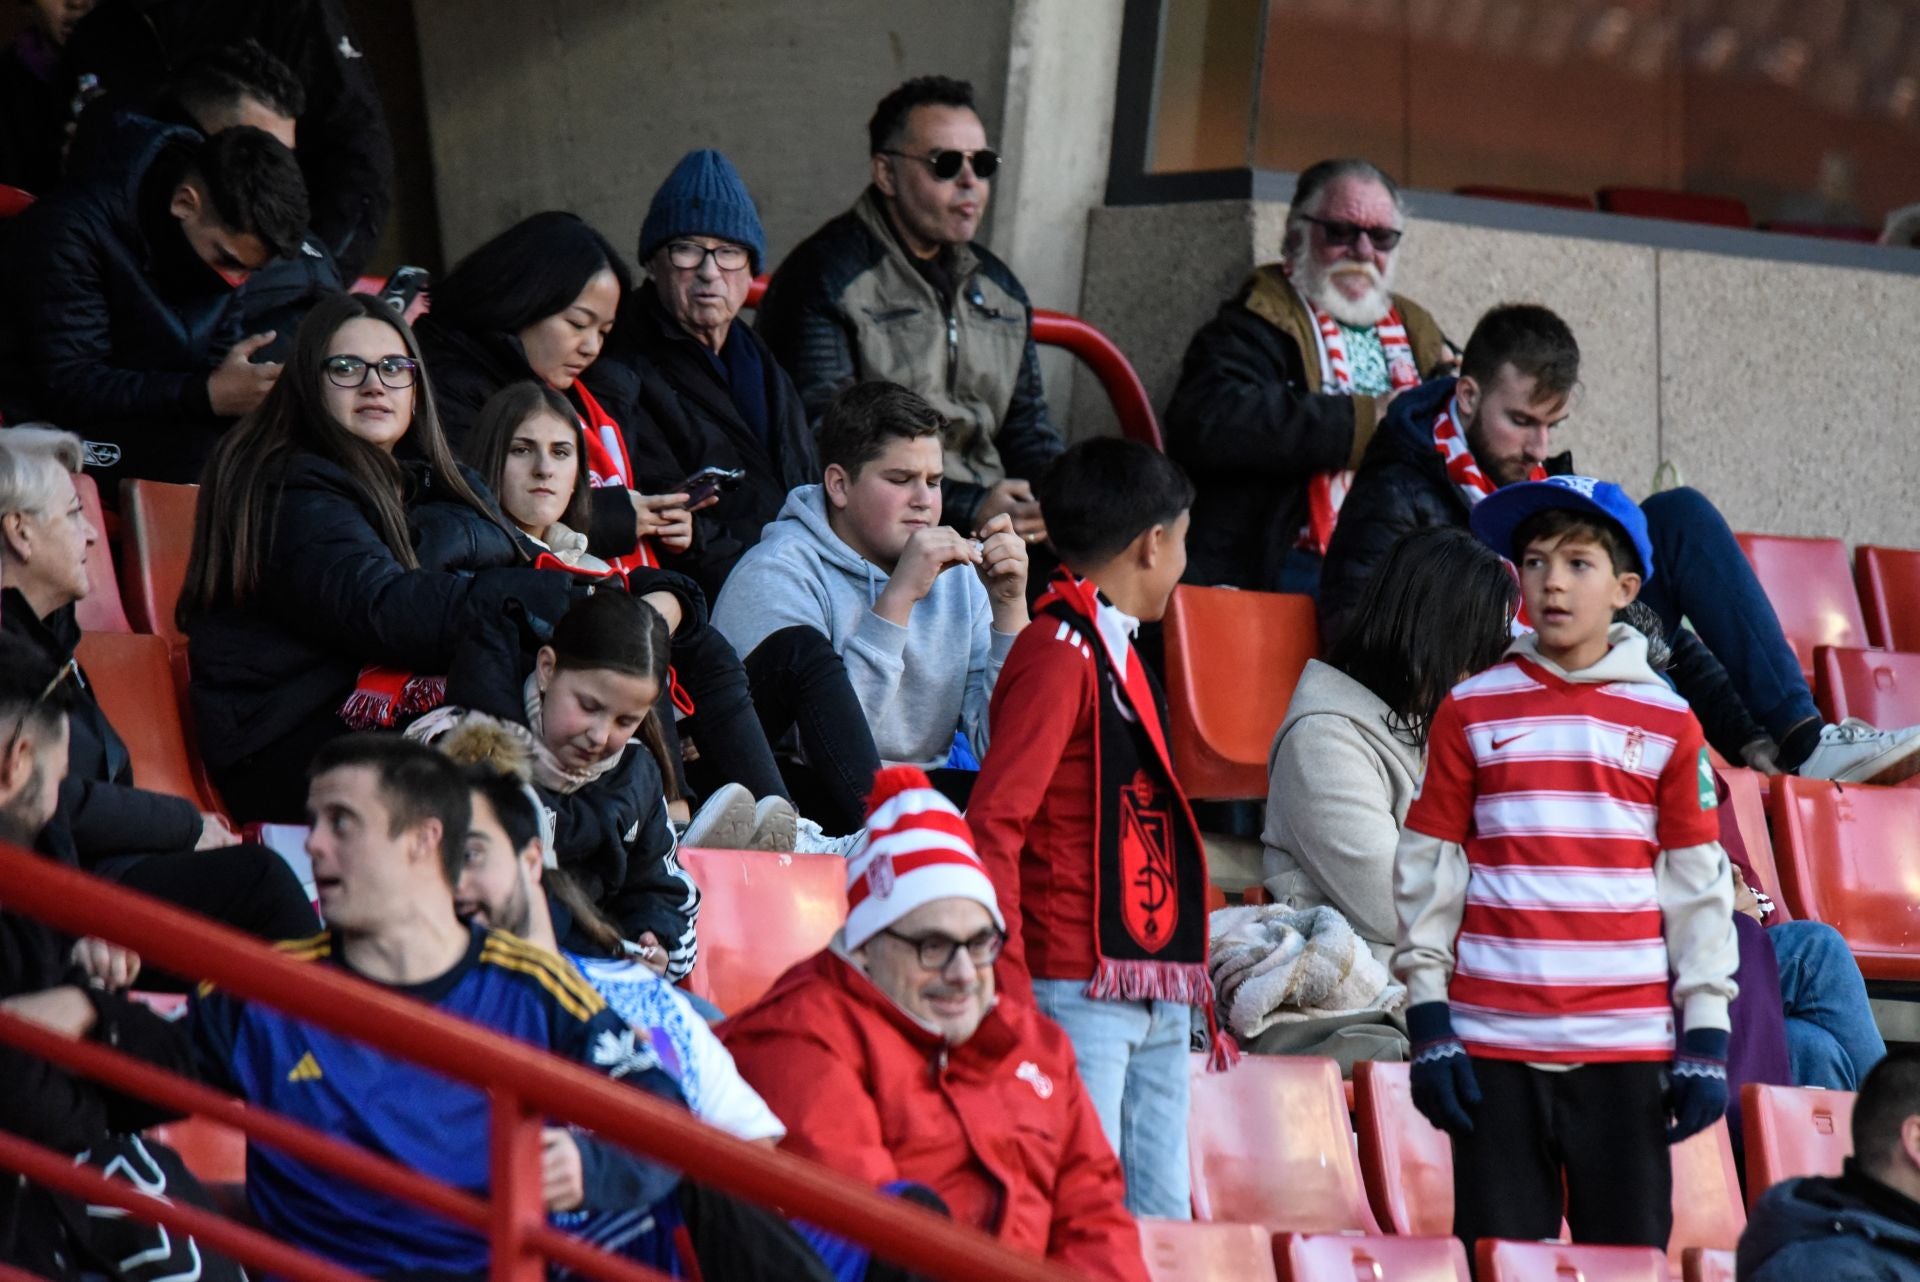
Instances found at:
x=133 y=677
x=1878 y=686
x=1889 y=583
x=1702 y=1265
x=1178 y=1251
x=156 y=542
x=1407 y=1161
x=1327 y=1257
x=1556 y=1262
x=1846 y=857
x=101 y=609
x=1811 y=588
x=1748 y=798
x=759 y=914
x=1791 y=1131
x=1675 y=206
x=1232 y=660
x=1527 y=196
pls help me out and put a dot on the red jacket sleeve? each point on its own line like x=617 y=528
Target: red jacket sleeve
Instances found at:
x=1444 y=806
x=828 y=1111
x=1038 y=705
x=1092 y=1229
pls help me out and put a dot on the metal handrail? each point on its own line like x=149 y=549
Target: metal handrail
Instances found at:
x=527 y=1086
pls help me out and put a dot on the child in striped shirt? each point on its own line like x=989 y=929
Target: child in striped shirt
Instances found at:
x=1560 y=891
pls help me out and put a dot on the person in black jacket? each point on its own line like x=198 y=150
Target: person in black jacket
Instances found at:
x=35 y=89
x=153 y=842
x=125 y=50
x=119 y=313
x=710 y=389
x=1449 y=442
x=309 y=608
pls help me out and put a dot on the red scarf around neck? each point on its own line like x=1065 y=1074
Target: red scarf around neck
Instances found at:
x=1327 y=490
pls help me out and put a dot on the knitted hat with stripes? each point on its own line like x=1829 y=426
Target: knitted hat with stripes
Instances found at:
x=917 y=849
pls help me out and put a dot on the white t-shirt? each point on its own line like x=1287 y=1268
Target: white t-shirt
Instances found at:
x=688 y=1049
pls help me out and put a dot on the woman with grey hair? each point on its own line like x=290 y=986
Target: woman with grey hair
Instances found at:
x=107 y=824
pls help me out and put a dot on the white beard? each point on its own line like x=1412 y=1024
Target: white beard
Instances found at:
x=1364 y=312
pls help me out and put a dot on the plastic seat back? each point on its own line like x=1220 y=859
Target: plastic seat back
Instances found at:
x=760 y=912
x=1881 y=686
x=1328 y=1257
x=1407 y=1160
x=1707 y=1207
x=1527 y=196
x=101 y=609
x=1699 y=1264
x=1232 y=660
x=1558 y=1262
x=132 y=677
x=158 y=543
x=1268 y=1142
x=1889 y=583
x=1677 y=206
x=1793 y=1131
x=1810 y=585
x=1748 y=806
x=1180 y=1251
x=214 y=1151
x=1850 y=856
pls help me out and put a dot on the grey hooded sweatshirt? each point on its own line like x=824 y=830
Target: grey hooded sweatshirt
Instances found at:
x=917 y=684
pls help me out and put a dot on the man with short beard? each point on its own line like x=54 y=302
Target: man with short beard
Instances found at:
x=1282 y=390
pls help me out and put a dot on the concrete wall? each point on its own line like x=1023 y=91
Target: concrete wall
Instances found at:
x=1782 y=390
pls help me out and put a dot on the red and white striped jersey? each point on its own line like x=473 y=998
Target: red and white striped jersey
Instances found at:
x=1563 y=794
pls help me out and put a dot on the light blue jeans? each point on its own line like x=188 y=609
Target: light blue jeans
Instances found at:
x=1133 y=1060
x=1831 y=1038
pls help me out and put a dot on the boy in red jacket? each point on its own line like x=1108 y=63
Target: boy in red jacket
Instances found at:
x=1093 y=851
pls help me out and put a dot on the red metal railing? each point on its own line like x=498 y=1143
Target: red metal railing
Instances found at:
x=527 y=1087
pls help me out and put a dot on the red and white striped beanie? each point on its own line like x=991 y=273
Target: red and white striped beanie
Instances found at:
x=917 y=849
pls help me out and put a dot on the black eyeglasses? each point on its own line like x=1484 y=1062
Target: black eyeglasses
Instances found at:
x=946 y=164
x=688 y=256
x=938 y=951
x=68 y=670
x=351 y=371
x=1344 y=234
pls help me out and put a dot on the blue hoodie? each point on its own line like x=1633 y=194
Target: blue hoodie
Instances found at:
x=1847 y=1229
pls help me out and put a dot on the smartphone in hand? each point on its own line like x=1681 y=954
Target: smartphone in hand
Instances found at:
x=709 y=481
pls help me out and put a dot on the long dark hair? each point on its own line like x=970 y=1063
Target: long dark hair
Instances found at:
x=611 y=631
x=1440 y=609
x=240 y=491
x=492 y=437
x=532 y=270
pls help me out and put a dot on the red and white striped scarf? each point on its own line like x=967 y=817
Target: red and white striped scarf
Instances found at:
x=1326 y=491
x=1451 y=442
x=607 y=465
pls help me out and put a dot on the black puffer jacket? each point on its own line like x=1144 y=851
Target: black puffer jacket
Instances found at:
x=465 y=369
x=663 y=388
x=612 y=834
x=109 y=323
x=334 y=598
x=1402 y=485
x=105 y=814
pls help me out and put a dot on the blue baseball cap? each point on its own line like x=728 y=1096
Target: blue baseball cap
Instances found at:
x=1498 y=515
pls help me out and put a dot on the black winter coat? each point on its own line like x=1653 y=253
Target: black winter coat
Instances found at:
x=678 y=415
x=334 y=598
x=1402 y=485
x=109 y=323
x=105 y=814
x=465 y=369
x=613 y=834
x=132 y=47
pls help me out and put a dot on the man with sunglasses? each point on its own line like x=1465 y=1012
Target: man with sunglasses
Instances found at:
x=896 y=290
x=1282 y=390
x=889 y=1058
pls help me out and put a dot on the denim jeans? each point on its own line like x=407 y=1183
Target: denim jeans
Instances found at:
x=1701 y=574
x=1133 y=1060
x=1831 y=1038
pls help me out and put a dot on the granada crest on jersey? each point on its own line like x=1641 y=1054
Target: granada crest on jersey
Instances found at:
x=1150 y=908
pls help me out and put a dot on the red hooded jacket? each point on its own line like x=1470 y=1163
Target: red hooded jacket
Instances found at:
x=999 y=1126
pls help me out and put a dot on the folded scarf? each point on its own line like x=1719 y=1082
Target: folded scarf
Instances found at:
x=1273 y=965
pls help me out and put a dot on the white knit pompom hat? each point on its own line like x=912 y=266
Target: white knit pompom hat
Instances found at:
x=917 y=849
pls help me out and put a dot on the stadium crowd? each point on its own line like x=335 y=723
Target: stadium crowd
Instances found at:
x=510 y=606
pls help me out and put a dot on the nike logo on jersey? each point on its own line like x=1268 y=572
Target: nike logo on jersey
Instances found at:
x=307 y=1070
x=1498 y=744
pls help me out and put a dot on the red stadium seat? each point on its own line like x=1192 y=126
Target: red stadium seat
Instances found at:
x=1811 y=587
x=132 y=677
x=1331 y=1257
x=1407 y=1161
x=1702 y=1265
x=759 y=914
x=1881 y=686
x=1793 y=1131
x=13 y=200
x=1889 y=582
x=1525 y=196
x=156 y=546
x=1178 y=1251
x=1232 y=660
x=1707 y=1208
x=1675 y=206
x=1748 y=803
x=1269 y=1143
x=1850 y=856
x=1558 y=1262
x=101 y=609
x=1856 y=233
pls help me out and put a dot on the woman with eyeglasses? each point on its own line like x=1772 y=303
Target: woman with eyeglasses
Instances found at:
x=338 y=556
x=106 y=823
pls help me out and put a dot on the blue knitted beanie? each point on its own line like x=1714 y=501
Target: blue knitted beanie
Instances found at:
x=703 y=196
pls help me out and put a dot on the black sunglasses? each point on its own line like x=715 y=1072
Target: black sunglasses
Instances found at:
x=1344 y=234
x=946 y=164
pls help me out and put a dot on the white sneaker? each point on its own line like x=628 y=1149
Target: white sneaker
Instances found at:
x=775 y=824
x=1855 y=752
x=725 y=822
x=811 y=839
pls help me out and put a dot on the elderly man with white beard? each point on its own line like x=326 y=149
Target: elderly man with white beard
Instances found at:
x=1281 y=391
